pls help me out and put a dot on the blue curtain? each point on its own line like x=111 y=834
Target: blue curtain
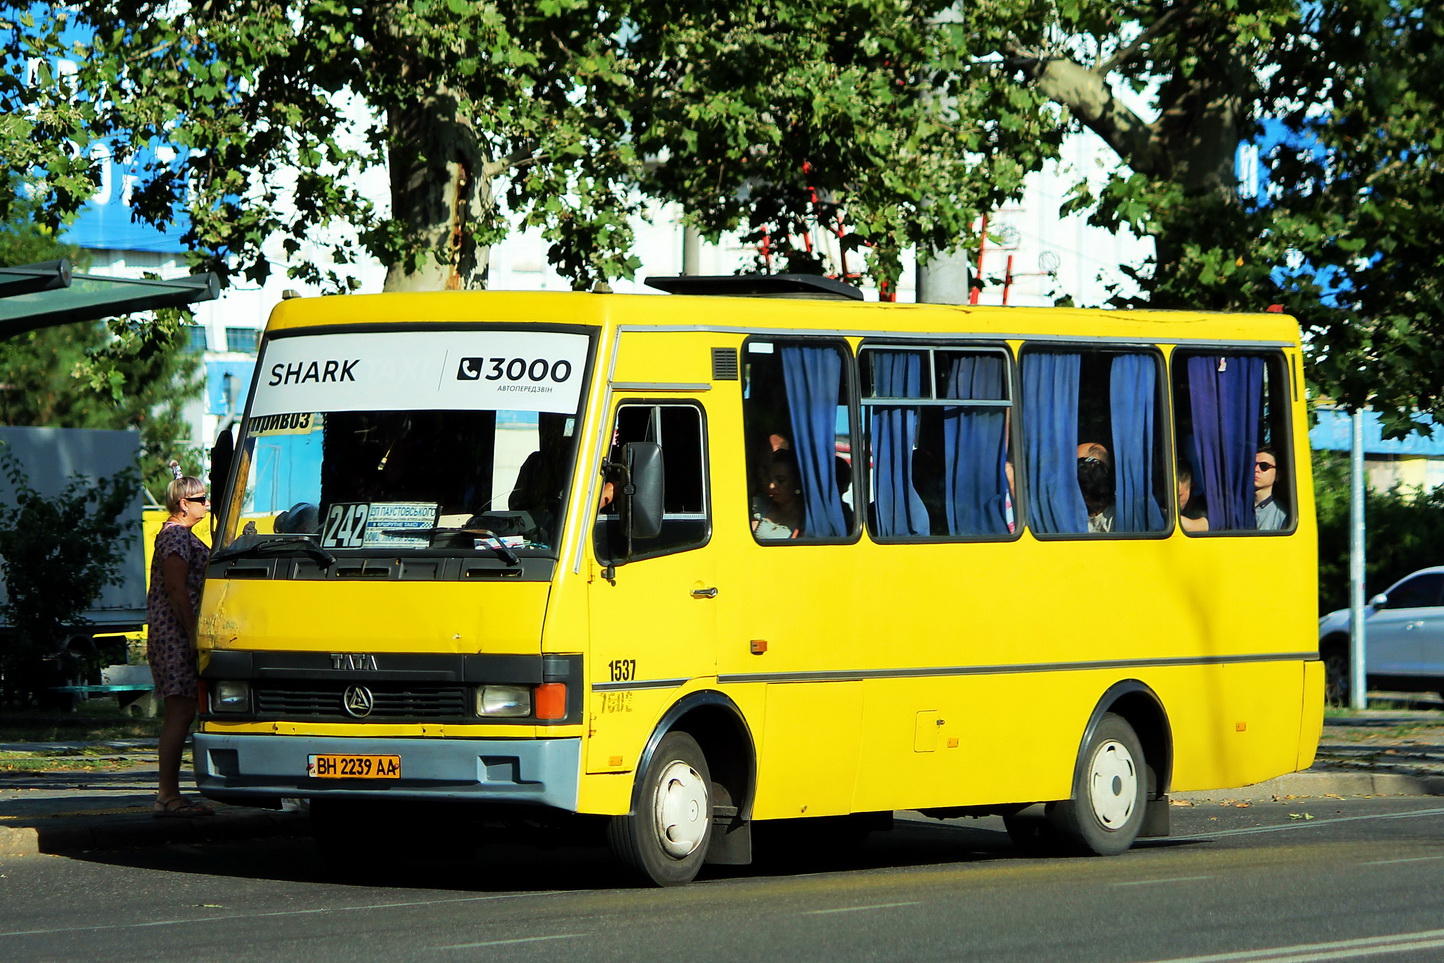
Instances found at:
x=975 y=449
x=1050 y=442
x=1132 y=384
x=1225 y=394
x=813 y=377
x=900 y=510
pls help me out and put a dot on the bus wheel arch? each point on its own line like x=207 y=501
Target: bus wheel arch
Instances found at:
x=700 y=754
x=1122 y=774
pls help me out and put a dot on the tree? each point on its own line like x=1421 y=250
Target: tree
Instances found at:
x=56 y=555
x=565 y=115
x=42 y=120
x=1404 y=530
x=1342 y=232
x=118 y=374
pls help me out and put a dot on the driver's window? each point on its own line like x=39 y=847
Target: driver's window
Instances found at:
x=680 y=431
x=1419 y=592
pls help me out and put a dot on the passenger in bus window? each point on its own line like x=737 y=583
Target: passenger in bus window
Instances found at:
x=779 y=513
x=1192 y=516
x=1268 y=513
x=1095 y=480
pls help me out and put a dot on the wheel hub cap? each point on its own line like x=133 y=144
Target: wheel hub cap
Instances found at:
x=1113 y=785
x=681 y=810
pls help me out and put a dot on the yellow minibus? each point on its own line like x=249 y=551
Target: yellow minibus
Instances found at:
x=757 y=550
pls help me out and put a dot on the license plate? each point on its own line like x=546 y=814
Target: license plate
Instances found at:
x=336 y=765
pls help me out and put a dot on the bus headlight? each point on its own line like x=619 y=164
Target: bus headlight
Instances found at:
x=230 y=696
x=503 y=700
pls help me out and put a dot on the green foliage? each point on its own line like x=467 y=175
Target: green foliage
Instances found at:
x=567 y=116
x=154 y=374
x=1404 y=530
x=56 y=556
x=1344 y=233
x=875 y=116
x=41 y=120
x=1364 y=198
x=116 y=374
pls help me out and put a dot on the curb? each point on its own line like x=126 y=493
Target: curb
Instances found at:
x=1328 y=783
x=59 y=835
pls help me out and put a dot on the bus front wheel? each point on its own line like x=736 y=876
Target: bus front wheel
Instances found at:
x=1109 y=793
x=665 y=836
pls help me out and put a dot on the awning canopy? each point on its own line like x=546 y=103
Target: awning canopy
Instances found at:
x=41 y=295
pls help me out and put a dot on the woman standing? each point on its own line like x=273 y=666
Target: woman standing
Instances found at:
x=177 y=572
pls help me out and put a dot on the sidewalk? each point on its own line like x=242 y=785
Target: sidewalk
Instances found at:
x=1379 y=753
x=1371 y=753
x=75 y=811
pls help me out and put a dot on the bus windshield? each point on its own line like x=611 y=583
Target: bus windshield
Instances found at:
x=362 y=443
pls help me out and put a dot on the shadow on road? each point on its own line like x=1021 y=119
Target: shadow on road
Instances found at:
x=499 y=865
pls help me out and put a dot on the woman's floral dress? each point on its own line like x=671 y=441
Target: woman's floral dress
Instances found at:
x=168 y=648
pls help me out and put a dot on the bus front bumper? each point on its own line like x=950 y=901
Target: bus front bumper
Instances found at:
x=256 y=769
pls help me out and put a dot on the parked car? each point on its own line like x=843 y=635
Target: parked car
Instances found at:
x=1403 y=639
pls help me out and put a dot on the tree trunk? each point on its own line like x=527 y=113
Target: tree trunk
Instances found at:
x=440 y=190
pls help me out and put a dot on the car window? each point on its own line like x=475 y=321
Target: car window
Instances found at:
x=1417 y=592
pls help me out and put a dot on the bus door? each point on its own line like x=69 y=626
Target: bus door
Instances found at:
x=653 y=611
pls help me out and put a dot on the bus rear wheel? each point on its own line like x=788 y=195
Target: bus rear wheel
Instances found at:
x=1110 y=787
x=665 y=837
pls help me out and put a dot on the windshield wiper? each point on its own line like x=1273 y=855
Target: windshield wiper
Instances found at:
x=256 y=546
x=482 y=538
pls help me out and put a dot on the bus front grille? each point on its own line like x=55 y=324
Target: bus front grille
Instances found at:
x=387 y=702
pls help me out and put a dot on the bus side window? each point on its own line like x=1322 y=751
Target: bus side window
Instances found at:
x=797 y=423
x=937 y=422
x=680 y=430
x=1094 y=447
x=1233 y=440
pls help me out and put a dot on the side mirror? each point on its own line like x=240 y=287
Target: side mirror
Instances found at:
x=1379 y=601
x=639 y=489
x=641 y=508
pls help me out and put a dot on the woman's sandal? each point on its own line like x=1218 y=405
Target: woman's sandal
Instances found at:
x=179 y=807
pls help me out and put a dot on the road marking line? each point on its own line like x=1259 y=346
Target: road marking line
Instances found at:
x=857 y=909
x=526 y=939
x=300 y=912
x=1302 y=824
x=1411 y=859
x=1171 y=879
x=1337 y=950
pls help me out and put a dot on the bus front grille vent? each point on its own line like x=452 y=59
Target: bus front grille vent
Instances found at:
x=390 y=701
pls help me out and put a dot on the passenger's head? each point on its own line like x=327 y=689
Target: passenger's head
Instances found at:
x=303 y=517
x=186 y=494
x=1095 y=476
x=1185 y=483
x=1265 y=469
x=780 y=479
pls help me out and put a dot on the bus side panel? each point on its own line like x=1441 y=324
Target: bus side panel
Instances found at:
x=808 y=760
x=1233 y=725
x=970 y=740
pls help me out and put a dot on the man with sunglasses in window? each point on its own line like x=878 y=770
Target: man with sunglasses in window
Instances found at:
x=1268 y=514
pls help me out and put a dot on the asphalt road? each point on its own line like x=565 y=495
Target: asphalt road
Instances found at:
x=1310 y=879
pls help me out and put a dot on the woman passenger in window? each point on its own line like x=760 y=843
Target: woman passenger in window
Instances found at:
x=1095 y=480
x=779 y=514
x=1268 y=513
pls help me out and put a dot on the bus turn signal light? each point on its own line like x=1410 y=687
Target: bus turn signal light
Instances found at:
x=550 y=700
